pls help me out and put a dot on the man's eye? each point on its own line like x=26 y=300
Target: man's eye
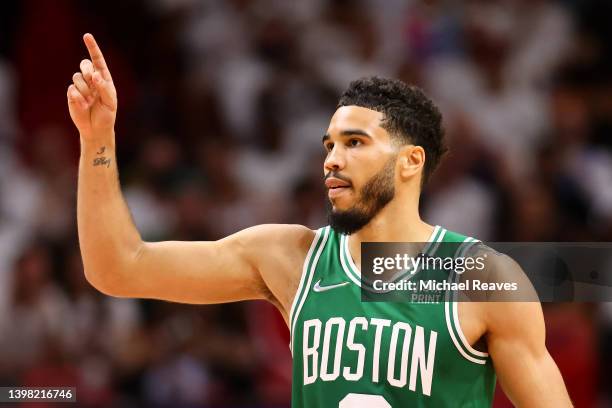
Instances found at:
x=329 y=146
x=354 y=142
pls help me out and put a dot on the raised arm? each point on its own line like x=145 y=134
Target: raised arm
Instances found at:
x=259 y=262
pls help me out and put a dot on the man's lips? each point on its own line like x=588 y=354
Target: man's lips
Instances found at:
x=332 y=183
x=336 y=187
x=335 y=192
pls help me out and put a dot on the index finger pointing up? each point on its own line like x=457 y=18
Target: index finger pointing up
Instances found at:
x=96 y=56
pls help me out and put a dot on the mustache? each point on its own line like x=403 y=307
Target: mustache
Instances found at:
x=338 y=176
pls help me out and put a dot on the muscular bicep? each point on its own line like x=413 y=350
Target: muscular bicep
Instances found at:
x=232 y=269
x=194 y=272
x=525 y=369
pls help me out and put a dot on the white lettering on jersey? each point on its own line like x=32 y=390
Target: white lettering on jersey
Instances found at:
x=311 y=351
x=325 y=375
x=402 y=337
x=359 y=348
x=425 y=363
x=380 y=325
x=404 y=354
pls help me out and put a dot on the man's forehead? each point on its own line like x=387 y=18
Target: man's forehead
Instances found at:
x=356 y=117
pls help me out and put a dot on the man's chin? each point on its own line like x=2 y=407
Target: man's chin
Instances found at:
x=336 y=209
x=346 y=221
x=340 y=204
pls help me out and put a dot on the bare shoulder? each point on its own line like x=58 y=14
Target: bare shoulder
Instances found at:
x=280 y=238
x=509 y=301
x=278 y=252
x=499 y=296
x=496 y=277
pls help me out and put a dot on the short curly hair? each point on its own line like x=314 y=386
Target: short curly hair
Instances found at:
x=409 y=115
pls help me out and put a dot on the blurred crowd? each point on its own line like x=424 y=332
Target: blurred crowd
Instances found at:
x=222 y=105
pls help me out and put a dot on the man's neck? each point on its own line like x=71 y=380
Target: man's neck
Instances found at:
x=397 y=222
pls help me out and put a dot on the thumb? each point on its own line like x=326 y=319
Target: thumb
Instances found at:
x=75 y=98
x=106 y=91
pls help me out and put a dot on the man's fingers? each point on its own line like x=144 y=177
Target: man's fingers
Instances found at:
x=106 y=91
x=96 y=56
x=87 y=70
x=75 y=98
x=82 y=86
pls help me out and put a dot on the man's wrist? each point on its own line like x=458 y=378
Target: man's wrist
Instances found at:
x=94 y=143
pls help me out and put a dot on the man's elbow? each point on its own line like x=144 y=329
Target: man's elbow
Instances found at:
x=109 y=274
x=109 y=280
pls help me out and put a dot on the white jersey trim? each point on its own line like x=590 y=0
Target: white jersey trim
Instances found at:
x=354 y=273
x=461 y=344
x=462 y=337
x=311 y=249
x=306 y=280
x=449 y=327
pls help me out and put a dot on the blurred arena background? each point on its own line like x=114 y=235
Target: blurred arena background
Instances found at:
x=222 y=105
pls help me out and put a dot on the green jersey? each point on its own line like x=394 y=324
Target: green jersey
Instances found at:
x=350 y=353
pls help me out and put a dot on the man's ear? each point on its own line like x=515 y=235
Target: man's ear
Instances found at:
x=411 y=161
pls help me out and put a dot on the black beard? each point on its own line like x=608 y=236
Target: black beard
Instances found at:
x=375 y=195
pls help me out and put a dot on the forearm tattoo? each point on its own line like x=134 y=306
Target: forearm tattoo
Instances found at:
x=101 y=161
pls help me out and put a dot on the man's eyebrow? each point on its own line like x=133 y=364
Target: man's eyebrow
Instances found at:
x=346 y=133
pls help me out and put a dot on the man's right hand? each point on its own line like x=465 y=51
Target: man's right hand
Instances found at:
x=119 y=263
x=92 y=98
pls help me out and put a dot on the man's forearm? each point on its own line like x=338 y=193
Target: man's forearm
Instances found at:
x=107 y=235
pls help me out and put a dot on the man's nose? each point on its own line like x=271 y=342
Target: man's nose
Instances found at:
x=335 y=160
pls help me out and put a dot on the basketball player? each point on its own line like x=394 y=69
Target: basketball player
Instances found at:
x=382 y=143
